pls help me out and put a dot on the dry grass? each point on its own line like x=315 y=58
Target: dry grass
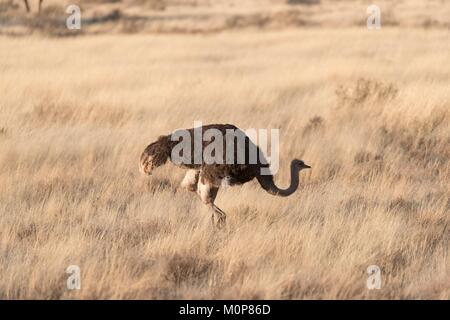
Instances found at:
x=368 y=110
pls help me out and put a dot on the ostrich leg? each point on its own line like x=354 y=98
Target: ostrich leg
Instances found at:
x=40 y=5
x=27 y=6
x=222 y=217
x=208 y=194
x=190 y=180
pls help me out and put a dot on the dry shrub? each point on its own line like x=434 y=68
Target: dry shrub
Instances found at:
x=26 y=232
x=365 y=157
x=187 y=268
x=420 y=141
x=367 y=164
x=314 y=124
x=365 y=91
x=394 y=262
x=401 y=205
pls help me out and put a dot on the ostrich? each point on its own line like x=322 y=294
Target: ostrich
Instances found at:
x=206 y=179
x=27 y=5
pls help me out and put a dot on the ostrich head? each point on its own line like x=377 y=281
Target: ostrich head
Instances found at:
x=300 y=164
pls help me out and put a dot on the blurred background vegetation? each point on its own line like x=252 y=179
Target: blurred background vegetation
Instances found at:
x=206 y=16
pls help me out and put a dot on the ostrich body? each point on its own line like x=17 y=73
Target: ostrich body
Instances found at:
x=206 y=179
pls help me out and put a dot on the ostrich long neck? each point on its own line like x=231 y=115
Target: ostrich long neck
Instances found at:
x=267 y=183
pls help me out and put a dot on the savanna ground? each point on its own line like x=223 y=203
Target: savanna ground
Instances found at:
x=368 y=110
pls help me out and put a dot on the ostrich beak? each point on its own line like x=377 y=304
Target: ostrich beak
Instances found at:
x=305 y=166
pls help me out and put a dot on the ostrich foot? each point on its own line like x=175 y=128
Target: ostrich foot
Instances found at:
x=221 y=217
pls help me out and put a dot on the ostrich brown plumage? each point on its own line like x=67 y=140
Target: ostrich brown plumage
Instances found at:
x=206 y=179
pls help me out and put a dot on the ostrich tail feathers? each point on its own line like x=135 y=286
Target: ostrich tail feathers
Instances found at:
x=156 y=154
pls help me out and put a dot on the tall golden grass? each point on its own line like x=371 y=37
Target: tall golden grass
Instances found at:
x=369 y=111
